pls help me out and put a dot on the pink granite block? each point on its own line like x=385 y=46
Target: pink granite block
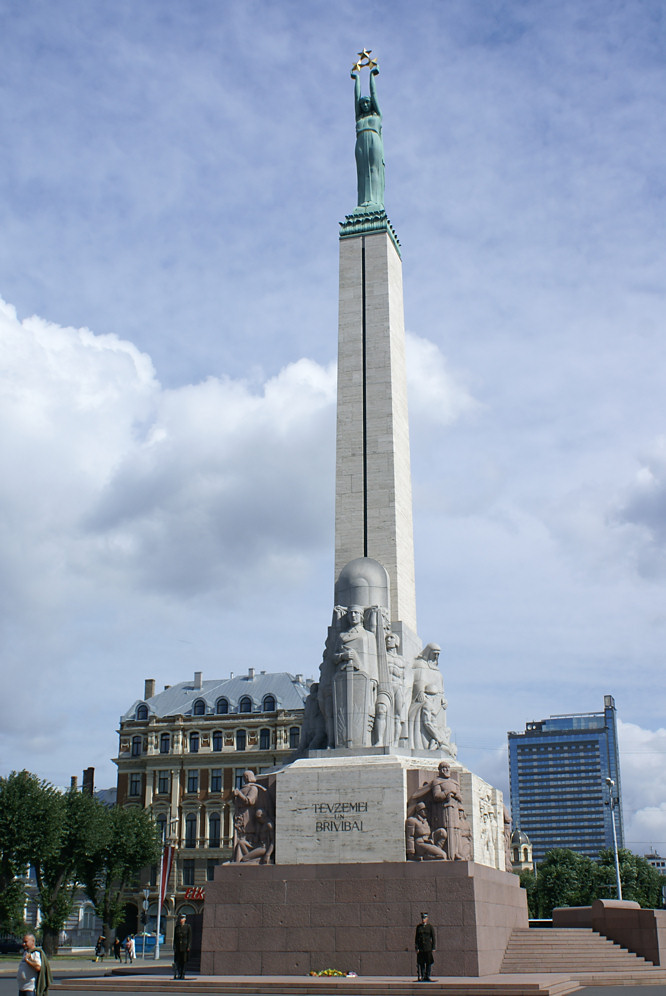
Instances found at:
x=313 y=939
x=259 y=891
x=285 y=915
x=360 y=889
x=393 y=963
x=237 y=915
x=220 y=939
x=330 y=915
x=352 y=939
x=399 y=938
x=394 y=913
x=310 y=891
x=262 y=939
x=233 y=963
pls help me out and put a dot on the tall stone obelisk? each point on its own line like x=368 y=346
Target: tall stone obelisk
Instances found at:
x=373 y=503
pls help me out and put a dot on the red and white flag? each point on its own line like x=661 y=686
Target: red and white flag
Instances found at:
x=167 y=861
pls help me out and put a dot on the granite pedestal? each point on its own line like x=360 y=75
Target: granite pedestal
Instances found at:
x=290 y=920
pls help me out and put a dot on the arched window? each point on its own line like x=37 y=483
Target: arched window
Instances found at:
x=269 y=703
x=294 y=737
x=161 y=821
x=199 y=708
x=88 y=918
x=165 y=743
x=245 y=704
x=142 y=712
x=218 y=740
x=222 y=707
x=190 y=830
x=214 y=830
x=194 y=743
x=241 y=739
x=264 y=739
x=136 y=746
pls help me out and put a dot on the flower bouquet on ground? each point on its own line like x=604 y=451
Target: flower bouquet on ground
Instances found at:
x=328 y=972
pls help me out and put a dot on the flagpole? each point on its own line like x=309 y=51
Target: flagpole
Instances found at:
x=159 y=897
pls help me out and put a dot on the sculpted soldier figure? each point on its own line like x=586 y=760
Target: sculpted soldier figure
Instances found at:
x=249 y=800
x=443 y=802
x=420 y=844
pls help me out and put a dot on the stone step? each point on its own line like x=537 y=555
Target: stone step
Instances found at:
x=575 y=950
x=506 y=985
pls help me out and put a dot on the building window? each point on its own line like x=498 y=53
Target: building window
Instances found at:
x=218 y=740
x=193 y=780
x=238 y=777
x=135 y=785
x=245 y=704
x=190 y=830
x=165 y=743
x=142 y=712
x=153 y=875
x=216 y=780
x=269 y=703
x=211 y=865
x=188 y=871
x=163 y=782
x=264 y=739
x=199 y=708
x=214 y=830
x=241 y=739
x=161 y=824
x=136 y=746
x=294 y=737
x=194 y=743
x=222 y=707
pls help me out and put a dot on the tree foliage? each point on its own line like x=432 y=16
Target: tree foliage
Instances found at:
x=127 y=843
x=565 y=878
x=68 y=838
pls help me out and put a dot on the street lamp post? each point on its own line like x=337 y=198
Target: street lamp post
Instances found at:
x=145 y=904
x=612 y=803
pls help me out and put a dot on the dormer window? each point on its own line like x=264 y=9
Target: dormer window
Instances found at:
x=142 y=712
x=245 y=704
x=269 y=703
x=199 y=708
x=222 y=707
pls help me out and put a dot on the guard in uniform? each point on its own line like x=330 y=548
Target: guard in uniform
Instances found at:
x=425 y=944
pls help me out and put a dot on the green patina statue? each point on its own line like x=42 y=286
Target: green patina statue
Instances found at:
x=369 y=143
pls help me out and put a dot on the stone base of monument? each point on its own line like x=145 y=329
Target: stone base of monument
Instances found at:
x=347 y=806
x=291 y=920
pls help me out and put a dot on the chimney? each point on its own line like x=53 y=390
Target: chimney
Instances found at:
x=250 y=672
x=149 y=690
x=198 y=683
x=231 y=674
x=299 y=679
x=167 y=687
x=74 y=783
x=88 y=781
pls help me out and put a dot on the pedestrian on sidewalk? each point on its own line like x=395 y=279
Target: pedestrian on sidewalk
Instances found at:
x=34 y=972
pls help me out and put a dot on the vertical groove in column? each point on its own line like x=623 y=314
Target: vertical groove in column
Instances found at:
x=365 y=420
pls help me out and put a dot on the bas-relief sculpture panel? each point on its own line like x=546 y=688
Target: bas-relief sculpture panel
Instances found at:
x=437 y=826
x=369 y=694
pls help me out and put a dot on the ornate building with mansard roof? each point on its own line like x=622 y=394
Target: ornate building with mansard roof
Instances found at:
x=183 y=750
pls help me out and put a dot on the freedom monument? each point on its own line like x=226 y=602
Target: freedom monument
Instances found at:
x=337 y=853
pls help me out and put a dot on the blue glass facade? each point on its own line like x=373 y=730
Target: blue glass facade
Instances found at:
x=558 y=769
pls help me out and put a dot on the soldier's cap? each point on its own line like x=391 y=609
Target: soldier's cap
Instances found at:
x=423 y=914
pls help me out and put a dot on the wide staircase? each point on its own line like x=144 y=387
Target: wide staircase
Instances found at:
x=580 y=952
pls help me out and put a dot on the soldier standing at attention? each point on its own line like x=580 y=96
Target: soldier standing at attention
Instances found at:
x=425 y=944
x=182 y=942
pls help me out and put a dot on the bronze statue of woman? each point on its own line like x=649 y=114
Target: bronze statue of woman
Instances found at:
x=369 y=144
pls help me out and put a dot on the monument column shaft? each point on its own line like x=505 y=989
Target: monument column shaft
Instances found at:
x=373 y=504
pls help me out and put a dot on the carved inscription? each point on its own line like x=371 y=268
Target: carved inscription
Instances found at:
x=338 y=809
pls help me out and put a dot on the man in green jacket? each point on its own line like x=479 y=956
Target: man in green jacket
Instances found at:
x=34 y=972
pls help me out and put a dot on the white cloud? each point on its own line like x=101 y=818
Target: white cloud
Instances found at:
x=436 y=394
x=643 y=774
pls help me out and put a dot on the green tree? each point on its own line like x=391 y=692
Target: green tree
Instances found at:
x=640 y=881
x=30 y=829
x=58 y=872
x=565 y=878
x=128 y=841
x=529 y=883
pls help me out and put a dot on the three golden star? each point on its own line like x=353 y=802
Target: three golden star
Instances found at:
x=364 y=61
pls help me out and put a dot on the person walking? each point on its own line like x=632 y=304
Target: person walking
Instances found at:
x=116 y=948
x=34 y=972
x=130 y=949
x=182 y=942
x=100 y=948
x=425 y=944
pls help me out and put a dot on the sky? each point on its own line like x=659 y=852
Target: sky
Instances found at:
x=173 y=178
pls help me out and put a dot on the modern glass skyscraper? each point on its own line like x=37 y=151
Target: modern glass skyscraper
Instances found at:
x=559 y=792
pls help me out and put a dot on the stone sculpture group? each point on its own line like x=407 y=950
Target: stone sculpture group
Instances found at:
x=368 y=693
x=436 y=827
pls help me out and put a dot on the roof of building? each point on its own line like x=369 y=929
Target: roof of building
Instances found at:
x=289 y=691
x=519 y=837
